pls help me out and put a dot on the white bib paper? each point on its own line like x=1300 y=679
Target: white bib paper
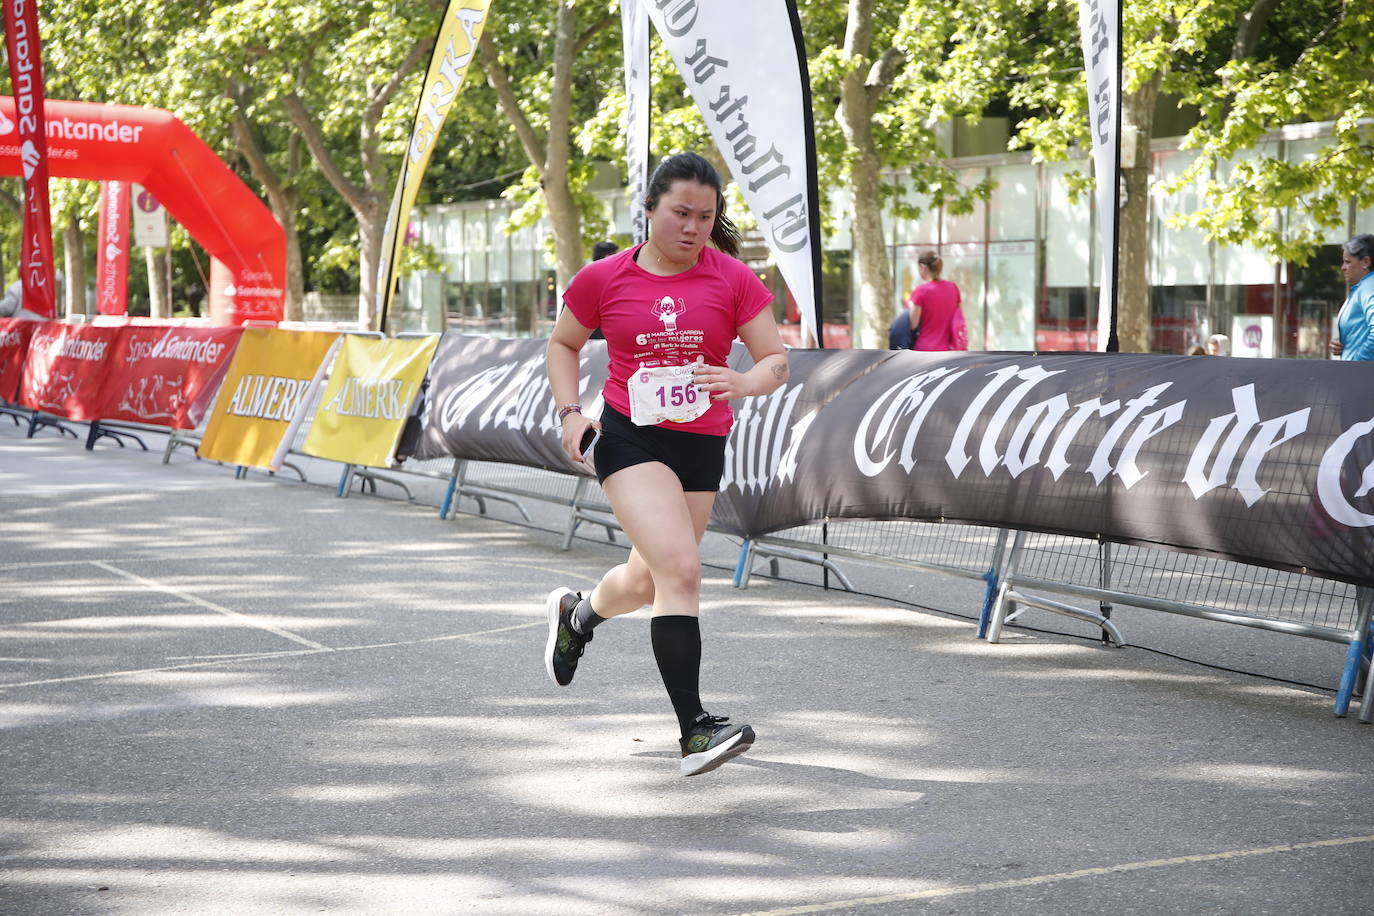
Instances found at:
x=666 y=394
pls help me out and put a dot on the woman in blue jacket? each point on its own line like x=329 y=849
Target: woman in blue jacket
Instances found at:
x=1355 y=322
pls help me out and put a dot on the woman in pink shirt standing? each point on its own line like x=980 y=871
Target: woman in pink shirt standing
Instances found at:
x=670 y=309
x=935 y=312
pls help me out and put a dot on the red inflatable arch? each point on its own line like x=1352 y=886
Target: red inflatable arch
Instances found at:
x=151 y=147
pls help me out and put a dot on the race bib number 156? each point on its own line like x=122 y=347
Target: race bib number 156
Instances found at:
x=665 y=394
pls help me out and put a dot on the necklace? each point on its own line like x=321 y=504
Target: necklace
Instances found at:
x=663 y=262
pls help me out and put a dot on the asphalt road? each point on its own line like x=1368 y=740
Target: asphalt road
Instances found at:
x=250 y=696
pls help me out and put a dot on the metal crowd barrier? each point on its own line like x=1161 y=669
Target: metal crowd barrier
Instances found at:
x=1018 y=569
x=483 y=481
x=969 y=551
x=36 y=420
x=184 y=438
x=1178 y=583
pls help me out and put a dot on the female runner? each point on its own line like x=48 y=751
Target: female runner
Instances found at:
x=670 y=309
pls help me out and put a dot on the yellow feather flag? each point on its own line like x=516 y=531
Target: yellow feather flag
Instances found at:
x=454 y=47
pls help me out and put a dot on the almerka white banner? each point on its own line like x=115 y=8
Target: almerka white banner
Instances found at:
x=741 y=64
x=634 y=22
x=1099 y=20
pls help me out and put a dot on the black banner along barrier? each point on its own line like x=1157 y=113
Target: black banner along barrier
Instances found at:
x=489 y=400
x=1269 y=462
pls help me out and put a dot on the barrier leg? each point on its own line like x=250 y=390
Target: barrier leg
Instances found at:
x=573 y=518
x=37 y=421
x=1367 y=704
x=98 y=432
x=1349 y=674
x=1004 y=604
x=369 y=478
x=1354 y=657
x=746 y=556
x=447 y=503
x=345 y=482
x=993 y=578
x=989 y=598
x=1104 y=554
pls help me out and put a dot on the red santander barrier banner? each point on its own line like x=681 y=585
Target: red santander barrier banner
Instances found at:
x=65 y=371
x=14 y=345
x=166 y=376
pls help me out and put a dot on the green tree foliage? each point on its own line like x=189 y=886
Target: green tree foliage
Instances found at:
x=1314 y=62
x=337 y=77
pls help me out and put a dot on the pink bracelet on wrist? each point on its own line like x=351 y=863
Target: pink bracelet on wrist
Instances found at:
x=567 y=409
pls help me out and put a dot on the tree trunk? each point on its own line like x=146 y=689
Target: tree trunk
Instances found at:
x=874 y=269
x=159 y=298
x=371 y=229
x=74 y=257
x=295 y=269
x=859 y=91
x=564 y=216
x=1133 y=287
x=565 y=220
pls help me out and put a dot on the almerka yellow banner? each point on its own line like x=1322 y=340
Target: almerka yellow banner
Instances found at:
x=454 y=48
x=264 y=387
x=369 y=395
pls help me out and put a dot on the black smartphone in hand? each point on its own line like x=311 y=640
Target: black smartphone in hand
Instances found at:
x=589 y=440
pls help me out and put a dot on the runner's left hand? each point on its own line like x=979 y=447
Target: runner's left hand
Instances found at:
x=722 y=382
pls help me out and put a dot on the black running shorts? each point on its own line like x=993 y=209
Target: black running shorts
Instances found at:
x=698 y=460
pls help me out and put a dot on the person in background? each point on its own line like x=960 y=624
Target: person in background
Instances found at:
x=937 y=320
x=602 y=249
x=670 y=308
x=1218 y=345
x=1355 y=321
x=1196 y=350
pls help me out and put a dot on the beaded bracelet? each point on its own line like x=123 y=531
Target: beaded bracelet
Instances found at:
x=567 y=409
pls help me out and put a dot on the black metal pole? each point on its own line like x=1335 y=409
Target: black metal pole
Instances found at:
x=1113 y=341
x=812 y=176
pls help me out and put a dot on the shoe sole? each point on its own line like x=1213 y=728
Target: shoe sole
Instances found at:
x=551 y=605
x=707 y=761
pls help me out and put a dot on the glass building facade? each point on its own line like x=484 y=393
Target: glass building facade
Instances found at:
x=1026 y=262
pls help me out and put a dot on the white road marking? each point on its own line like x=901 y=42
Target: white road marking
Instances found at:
x=936 y=892
x=134 y=672
x=193 y=599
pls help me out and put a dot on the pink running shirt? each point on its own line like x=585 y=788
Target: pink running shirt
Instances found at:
x=654 y=321
x=939 y=301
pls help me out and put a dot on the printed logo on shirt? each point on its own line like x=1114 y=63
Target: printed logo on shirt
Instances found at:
x=666 y=310
x=672 y=345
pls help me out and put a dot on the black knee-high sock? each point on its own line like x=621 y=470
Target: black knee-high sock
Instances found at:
x=677 y=649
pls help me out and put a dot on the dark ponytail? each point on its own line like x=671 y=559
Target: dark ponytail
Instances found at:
x=692 y=167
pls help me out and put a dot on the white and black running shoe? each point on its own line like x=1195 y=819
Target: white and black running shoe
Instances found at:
x=565 y=645
x=711 y=741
